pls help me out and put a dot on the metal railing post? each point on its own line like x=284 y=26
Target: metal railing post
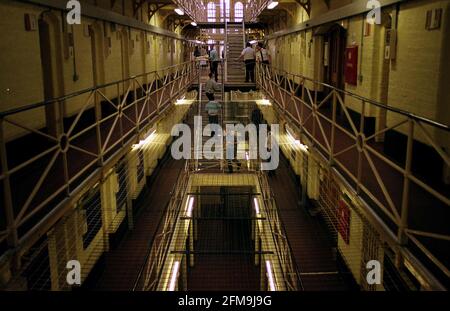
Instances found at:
x=333 y=129
x=98 y=116
x=225 y=54
x=243 y=34
x=7 y=194
x=360 y=147
x=406 y=185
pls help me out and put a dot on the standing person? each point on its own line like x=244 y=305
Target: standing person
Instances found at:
x=248 y=54
x=213 y=108
x=211 y=86
x=197 y=52
x=231 y=152
x=215 y=60
x=263 y=55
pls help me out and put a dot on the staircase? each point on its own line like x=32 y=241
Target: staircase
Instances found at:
x=235 y=43
x=199 y=110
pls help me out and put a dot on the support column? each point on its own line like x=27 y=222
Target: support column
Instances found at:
x=191 y=244
x=12 y=238
x=263 y=276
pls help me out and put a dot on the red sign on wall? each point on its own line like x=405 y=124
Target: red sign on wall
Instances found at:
x=351 y=65
x=344 y=221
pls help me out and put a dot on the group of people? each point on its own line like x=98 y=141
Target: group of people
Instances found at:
x=211 y=57
x=251 y=56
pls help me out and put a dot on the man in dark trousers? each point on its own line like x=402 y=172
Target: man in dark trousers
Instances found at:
x=215 y=60
x=249 y=56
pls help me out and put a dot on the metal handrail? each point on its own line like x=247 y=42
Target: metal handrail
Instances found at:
x=136 y=104
x=359 y=97
x=91 y=89
x=159 y=249
x=304 y=111
x=284 y=251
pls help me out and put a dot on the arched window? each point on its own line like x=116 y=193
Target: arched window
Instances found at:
x=225 y=4
x=211 y=12
x=238 y=12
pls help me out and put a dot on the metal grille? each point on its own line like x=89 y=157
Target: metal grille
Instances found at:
x=93 y=212
x=122 y=193
x=140 y=166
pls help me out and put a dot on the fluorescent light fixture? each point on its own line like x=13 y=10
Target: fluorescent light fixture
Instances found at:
x=255 y=200
x=183 y=101
x=173 y=277
x=304 y=148
x=190 y=206
x=296 y=141
x=264 y=102
x=179 y=11
x=272 y=5
x=144 y=141
x=194 y=24
x=270 y=276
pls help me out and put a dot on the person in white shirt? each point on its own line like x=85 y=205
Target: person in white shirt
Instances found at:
x=263 y=55
x=248 y=54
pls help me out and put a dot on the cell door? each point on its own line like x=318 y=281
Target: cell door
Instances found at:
x=337 y=42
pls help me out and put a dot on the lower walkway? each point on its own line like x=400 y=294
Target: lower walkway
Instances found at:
x=310 y=242
x=124 y=263
x=225 y=259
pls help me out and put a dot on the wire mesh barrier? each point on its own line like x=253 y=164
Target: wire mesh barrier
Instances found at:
x=219 y=229
x=92 y=226
x=45 y=163
x=231 y=113
x=222 y=238
x=346 y=221
x=290 y=270
x=382 y=161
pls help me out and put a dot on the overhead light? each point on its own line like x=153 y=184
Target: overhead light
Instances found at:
x=190 y=206
x=270 y=276
x=180 y=11
x=264 y=102
x=296 y=141
x=194 y=24
x=148 y=137
x=173 y=277
x=272 y=5
x=255 y=200
x=303 y=147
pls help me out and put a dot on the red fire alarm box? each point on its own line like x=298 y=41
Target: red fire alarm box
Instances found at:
x=343 y=215
x=351 y=65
